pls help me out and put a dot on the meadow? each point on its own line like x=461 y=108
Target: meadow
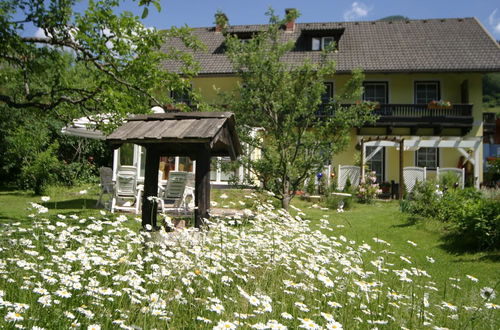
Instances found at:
x=66 y=265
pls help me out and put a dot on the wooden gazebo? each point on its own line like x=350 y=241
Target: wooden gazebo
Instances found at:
x=198 y=135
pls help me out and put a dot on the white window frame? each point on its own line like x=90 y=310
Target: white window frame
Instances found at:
x=320 y=42
x=378 y=82
x=427 y=150
x=436 y=82
x=323 y=39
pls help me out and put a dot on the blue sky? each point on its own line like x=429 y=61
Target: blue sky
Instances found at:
x=196 y=13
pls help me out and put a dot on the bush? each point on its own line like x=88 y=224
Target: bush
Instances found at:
x=449 y=180
x=43 y=171
x=469 y=216
x=78 y=173
x=479 y=223
x=422 y=201
x=335 y=202
x=369 y=189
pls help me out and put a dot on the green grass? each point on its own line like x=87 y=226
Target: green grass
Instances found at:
x=384 y=220
x=278 y=261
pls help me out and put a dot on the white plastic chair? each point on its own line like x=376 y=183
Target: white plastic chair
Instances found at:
x=126 y=195
x=107 y=186
x=176 y=193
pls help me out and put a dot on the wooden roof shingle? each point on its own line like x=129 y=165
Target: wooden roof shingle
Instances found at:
x=216 y=130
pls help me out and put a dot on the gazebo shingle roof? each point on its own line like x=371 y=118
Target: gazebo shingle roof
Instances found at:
x=180 y=130
x=433 y=45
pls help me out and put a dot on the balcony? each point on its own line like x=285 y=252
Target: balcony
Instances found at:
x=416 y=116
x=489 y=120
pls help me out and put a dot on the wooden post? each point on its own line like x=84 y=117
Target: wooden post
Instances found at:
x=362 y=167
x=150 y=208
x=202 y=187
x=401 y=164
x=476 y=165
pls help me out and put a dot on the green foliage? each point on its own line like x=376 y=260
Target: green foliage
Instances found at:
x=423 y=200
x=491 y=90
x=221 y=19
x=42 y=171
x=395 y=18
x=469 y=217
x=98 y=60
x=81 y=63
x=492 y=175
x=449 y=180
x=336 y=202
x=310 y=186
x=282 y=101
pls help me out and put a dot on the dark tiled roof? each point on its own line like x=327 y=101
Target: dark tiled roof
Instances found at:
x=434 y=45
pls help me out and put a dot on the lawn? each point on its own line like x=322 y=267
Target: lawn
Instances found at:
x=363 y=268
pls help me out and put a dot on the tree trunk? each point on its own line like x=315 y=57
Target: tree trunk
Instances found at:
x=285 y=201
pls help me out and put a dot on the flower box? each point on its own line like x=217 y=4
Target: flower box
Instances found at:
x=439 y=105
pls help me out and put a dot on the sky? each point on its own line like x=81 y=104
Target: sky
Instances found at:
x=200 y=13
x=197 y=13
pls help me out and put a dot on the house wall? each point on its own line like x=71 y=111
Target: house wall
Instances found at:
x=401 y=90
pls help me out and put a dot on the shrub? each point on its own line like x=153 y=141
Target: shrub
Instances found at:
x=422 y=201
x=42 y=171
x=335 y=202
x=470 y=217
x=368 y=189
x=449 y=180
x=479 y=223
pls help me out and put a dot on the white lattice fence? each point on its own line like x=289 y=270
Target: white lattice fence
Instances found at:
x=459 y=172
x=348 y=172
x=413 y=174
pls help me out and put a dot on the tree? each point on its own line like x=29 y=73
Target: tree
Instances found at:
x=79 y=63
x=394 y=18
x=283 y=101
x=85 y=62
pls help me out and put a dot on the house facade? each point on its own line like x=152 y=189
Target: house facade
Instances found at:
x=425 y=75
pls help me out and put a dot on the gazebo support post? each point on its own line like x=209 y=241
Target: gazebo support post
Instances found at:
x=362 y=167
x=401 y=164
x=202 y=187
x=150 y=208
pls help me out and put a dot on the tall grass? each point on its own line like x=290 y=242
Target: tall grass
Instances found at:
x=267 y=270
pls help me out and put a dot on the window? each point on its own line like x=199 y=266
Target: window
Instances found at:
x=376 y=91
x=181 y=96
x=127 y=154
x=426 y=91
x=328 y=94
x=320 y=43
x=377 y=163
x=427 y=157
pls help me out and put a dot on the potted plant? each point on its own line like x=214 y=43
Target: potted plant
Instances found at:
x=439 y=104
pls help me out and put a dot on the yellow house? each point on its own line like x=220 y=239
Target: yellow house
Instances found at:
x=426 y=76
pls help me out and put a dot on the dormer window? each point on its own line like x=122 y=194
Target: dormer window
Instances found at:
x=318 y=39
x=321 y=43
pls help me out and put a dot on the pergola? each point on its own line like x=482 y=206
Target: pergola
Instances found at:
x=415 y=142
x=198 y=135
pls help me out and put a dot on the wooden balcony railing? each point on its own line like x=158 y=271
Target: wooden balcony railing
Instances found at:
x=489 y=120
x=416 y=113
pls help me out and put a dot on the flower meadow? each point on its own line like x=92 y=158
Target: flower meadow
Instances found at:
x=264 y=269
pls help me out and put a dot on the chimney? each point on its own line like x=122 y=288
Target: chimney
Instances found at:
x=220 y=21
x=290 y=15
